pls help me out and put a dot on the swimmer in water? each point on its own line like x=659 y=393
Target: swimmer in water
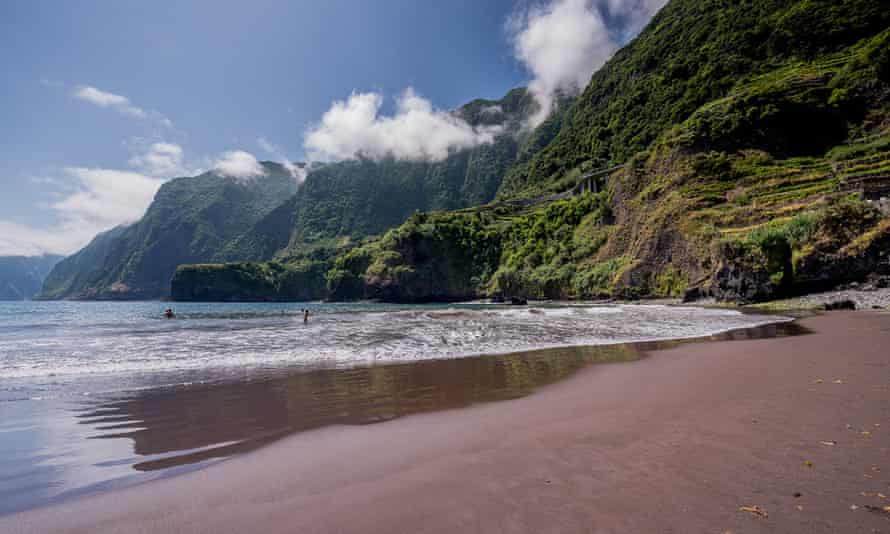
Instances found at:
x=305 y=316
x=168 y=313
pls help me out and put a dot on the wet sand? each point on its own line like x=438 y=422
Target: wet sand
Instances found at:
x=55 y=450
x=676 y=442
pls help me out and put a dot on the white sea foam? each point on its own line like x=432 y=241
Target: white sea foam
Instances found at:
x=130 y=339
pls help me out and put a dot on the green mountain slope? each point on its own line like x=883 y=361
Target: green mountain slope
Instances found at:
x=769 y=190
x=691 y=53
x=206 y=219
x=21 y=277
x=755 y=151
x=83 y=269
x=363 y=197
x=190 y=220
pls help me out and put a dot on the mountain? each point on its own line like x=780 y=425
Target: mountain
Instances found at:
x=361 y=197
x=691 y=53
x=21 y=277
x=190 y=220
x=751 y=150
x=212 y=219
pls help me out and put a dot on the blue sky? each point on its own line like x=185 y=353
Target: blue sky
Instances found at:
x=104 y=100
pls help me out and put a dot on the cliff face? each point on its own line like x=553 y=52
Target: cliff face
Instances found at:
x=357 y=198
x=209 y=218
x=751 y=147
x=190 y=220
x=249 y=282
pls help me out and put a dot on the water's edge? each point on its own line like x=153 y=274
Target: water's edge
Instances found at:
x=179 y=428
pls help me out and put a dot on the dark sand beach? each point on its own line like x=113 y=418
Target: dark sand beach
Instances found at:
x=675 y=442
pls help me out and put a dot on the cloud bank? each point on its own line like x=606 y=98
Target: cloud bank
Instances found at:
x=355 y=128
x=565 y=41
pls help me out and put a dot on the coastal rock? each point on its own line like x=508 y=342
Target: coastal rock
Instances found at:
x=840 y=305
x=742 y=273
x=696 y=293
x=866 y=259
x=734 y=283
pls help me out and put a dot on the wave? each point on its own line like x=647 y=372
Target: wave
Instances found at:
x=206 y=339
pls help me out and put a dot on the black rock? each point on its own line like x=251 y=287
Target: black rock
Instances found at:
x=845 y=304
x=736 y=284
x=692 y=294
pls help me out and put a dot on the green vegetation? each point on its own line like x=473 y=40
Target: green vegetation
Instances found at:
x=750 y=138
x=271 y=281
x=692 y=53
x=190 y=220
x=754 y=194
x=211 y=219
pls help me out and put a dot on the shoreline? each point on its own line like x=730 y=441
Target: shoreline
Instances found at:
x=172 y=428
x=565 y=450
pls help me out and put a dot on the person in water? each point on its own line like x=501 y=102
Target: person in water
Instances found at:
x=305 y=316
x=168 y=313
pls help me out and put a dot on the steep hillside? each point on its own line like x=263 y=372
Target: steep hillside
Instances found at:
x=362 y=197
x=208 y=219
x=775 y=188
x=21 y=277
x=755 y=157
x=83 y=269
x=691 y=53
x=190 y=220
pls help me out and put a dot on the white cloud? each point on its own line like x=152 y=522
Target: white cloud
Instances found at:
x=119 y=103
x=564 y=42
x=99 y=199
x=299 y=172
x=85 y=201
x=160 y=159
x=238 y=164
x=105 y=99
x=354 y=128
x=23 y=240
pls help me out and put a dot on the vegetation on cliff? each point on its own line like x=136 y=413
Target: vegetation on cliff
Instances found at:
x=190 y=220
x=208 y=218
x=751 y=139
x=364 y=197
x=752 y=147
x=691 y=53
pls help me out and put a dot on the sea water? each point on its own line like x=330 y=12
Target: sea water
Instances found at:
x=98 y=395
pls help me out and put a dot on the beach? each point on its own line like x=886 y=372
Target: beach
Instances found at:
x=678 y=441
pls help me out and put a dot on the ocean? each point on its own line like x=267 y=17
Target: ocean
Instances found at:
x=100 y=395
